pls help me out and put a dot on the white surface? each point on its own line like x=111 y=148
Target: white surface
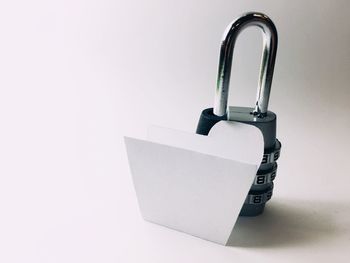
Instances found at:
x=189 y=191
x=229 y=140
x=75 y=76
x=193 y=183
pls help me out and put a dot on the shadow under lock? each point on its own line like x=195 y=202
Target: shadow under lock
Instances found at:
x=262 y=187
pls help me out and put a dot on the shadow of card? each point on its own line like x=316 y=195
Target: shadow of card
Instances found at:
x=288 y=222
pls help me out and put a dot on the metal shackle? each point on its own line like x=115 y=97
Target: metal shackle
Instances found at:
x=270 y=40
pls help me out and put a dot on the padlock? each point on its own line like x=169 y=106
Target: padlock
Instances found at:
x=258 y=116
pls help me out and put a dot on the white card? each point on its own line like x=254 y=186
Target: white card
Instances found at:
x=193 y=183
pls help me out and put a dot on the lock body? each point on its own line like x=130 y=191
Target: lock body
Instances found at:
x=262 y=187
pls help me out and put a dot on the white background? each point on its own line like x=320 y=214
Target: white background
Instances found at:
x=75 y=76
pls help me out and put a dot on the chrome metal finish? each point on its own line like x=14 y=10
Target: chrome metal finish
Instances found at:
x=270 y=40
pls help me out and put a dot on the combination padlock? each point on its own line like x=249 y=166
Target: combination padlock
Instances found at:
x=259 y=116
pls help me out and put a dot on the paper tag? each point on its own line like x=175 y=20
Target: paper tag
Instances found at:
x=229 y=139
x=193 y=183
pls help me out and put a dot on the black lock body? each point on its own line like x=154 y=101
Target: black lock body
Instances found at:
x=261 y=190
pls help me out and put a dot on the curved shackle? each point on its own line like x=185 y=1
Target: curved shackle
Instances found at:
x=270 y=40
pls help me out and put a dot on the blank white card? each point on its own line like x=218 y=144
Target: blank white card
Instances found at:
x=193 y=183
